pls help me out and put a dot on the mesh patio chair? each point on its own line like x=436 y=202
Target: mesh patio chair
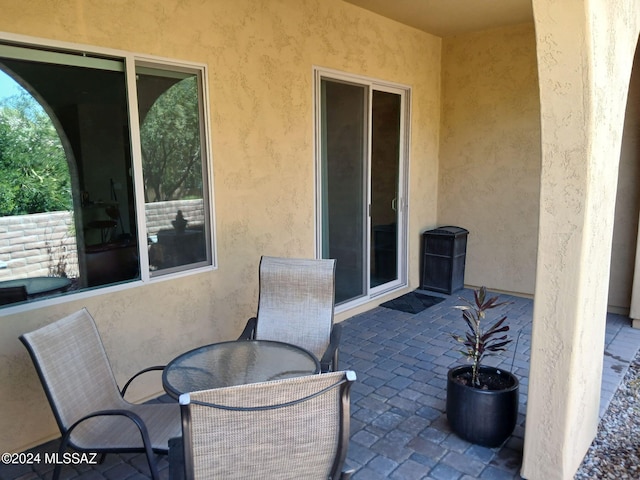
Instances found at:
x=296 y=303
x=10 y=295
x=90 y=410
x=283 y=429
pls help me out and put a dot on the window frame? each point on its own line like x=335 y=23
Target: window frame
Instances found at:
x=130 y=60
x=136 y=146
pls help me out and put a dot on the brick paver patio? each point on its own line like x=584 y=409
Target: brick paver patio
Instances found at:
x=398 y=422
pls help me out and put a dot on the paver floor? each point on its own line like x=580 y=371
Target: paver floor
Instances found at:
x=398 y=421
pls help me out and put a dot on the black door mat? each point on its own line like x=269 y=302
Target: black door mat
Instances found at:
x=412 y=302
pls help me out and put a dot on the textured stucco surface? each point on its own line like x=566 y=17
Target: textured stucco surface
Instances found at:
x=585 y=53
x=490 y=153
x=490 y=162
x=260 y=56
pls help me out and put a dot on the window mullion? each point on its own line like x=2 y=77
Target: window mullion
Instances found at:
x=207 y=164
x=138 y=179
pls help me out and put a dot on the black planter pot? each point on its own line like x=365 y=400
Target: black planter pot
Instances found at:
x=483 y=417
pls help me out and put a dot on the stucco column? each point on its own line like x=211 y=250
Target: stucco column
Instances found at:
x=585 y=53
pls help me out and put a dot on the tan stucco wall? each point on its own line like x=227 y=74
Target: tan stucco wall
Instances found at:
x=490 y=153
x=490 y=162
x=585 y=53
x=260 y=56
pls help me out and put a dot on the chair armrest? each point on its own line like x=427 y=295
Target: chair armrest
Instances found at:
x=249 y=332
x=329 y=360
x=149 y=369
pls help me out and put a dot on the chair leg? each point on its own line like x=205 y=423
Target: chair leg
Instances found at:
x=346 y=475
x=176 y=459
x=146 y=441
x=153 y=467
x=63 y=447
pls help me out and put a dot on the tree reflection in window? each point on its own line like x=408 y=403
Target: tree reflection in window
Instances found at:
x=170 y=137
x=34 y=179
x=174 y=171
x=34 y=175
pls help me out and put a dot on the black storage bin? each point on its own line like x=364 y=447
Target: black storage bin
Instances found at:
x=445 y=250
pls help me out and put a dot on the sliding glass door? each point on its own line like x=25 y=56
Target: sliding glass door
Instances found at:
x=361 y=148
x=385 y=178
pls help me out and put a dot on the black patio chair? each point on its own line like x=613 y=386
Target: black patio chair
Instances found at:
x=90 y=410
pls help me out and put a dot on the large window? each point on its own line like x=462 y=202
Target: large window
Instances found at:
x=103 y=171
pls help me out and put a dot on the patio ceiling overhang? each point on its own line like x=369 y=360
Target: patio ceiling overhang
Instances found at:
x=447 y=18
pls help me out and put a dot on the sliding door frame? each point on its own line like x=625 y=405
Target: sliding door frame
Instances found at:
x=370 y=84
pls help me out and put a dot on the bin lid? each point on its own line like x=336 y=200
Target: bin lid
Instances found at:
x=448 y=231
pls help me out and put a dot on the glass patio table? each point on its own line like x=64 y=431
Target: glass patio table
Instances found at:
x=236 y=362
x=37 y=286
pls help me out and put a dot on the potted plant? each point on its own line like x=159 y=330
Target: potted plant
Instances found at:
x=482 y=401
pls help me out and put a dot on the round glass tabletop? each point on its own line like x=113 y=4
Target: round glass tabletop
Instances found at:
x=236 y=363
x=39 y=285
